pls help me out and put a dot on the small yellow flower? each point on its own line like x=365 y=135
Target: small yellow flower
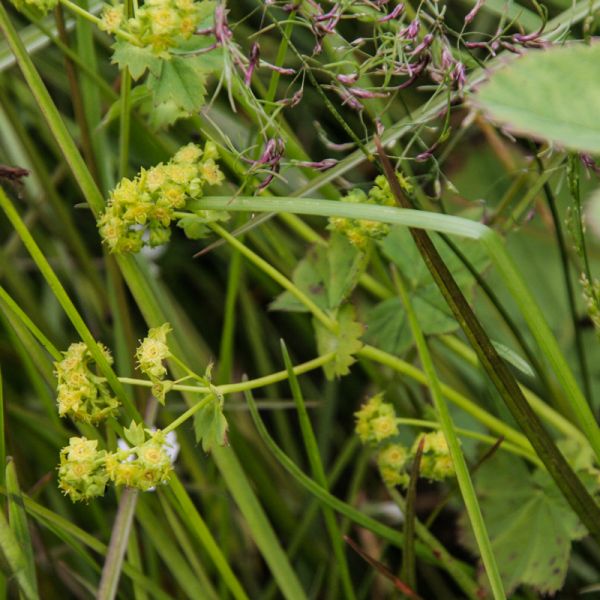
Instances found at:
x=394 y=456
x=126 y=192
x=188 y=154
x=181 y=173
x=111 y=18
x=211 y=173
x=155 y=177
x=163 y=20
x=80 y=448
x=153 y=455
x=173 y=196
x=392 y=477
x=153 y=350
x=384 y=427
x=76 y=379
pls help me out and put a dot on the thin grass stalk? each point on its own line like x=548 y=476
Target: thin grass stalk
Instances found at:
x=196 y=523
x=408 y=571
x=318 y=472
x=460 y=465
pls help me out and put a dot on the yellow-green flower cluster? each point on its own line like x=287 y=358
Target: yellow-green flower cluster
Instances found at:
x=83 y=395
x=84 y=471
x=376 y=421
x=436 y=463
x=140 y=210
x=158 y=24
x=360 y=231
x=392 y=461
x=37 y=7
x=81 y=473
x=377 y=425
x=143 y=467
x=150 y=354
x=111 y=17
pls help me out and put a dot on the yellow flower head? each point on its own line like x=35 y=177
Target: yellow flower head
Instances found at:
x=80 y=449
x=211 y=173
x=384 y=427
x=111 y=18
x=393 y=456
x=152 y=350
x=155 y=177
x=163 y=20
x=188 y=154
x=181 y=173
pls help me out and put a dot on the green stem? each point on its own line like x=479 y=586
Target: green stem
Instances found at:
x=250 y=384
x=226 y=348
x=124 y=123
x=187 y=414
x=283 y=281
x=460 y=465
x=119 y=539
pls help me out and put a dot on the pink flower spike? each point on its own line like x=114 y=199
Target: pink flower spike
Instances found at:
x=473 y=12
x=398 y=10
x=254 y=59
x=362 y=93
x=321 y=165
x=348 y=79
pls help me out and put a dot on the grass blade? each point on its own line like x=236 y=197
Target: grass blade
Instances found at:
x=460 y=466
x=318 y=472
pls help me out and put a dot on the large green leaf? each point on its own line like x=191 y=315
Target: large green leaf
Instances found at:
x=551 y=95
x=530 y=524
x=136 y=59
x=181 y=81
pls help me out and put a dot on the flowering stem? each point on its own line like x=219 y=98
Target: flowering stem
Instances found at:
x=250 y=384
